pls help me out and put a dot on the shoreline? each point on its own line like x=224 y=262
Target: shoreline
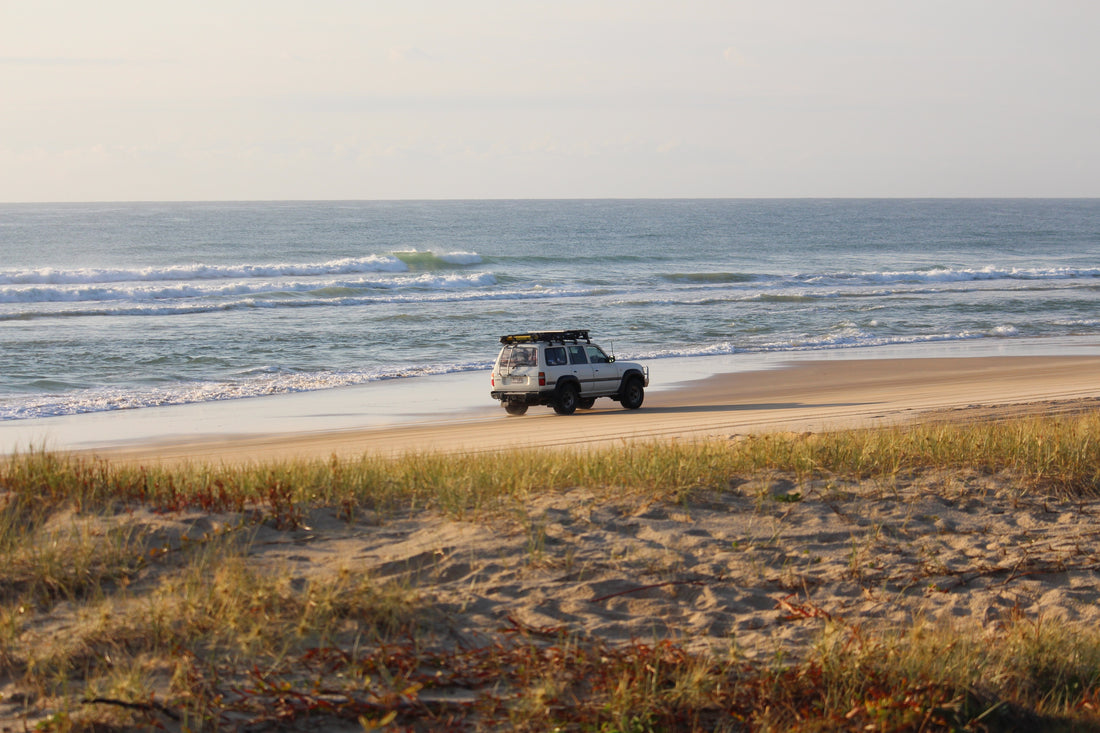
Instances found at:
x=688 y=397
x=792 y=396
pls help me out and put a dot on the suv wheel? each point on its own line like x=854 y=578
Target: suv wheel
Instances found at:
x=566 y=401
x=633 y=394
x=586 y=403
x=515 y=408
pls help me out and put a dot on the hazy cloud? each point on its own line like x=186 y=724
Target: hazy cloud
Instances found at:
x=735 y=57
x=65 y=61
x=408 y=54
x=495 y=98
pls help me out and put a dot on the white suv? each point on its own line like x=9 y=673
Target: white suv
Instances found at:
x=565 y=370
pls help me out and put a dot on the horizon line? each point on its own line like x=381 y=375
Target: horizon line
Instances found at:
x=546 y=198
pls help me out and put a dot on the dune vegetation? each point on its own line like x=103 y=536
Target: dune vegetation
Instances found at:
x=133 y=596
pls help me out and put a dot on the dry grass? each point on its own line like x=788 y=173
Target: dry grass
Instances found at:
x=110 y=619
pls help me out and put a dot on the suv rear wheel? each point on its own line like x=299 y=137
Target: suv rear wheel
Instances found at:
x=515 y=408
x=566 y=402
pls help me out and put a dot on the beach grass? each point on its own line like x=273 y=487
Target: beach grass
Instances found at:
x=1056 y=455
x=129 y=597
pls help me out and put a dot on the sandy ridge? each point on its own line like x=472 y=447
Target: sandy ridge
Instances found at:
x=755 y=570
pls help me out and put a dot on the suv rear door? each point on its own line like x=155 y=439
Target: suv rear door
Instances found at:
x=518 y=367
x=578 y=360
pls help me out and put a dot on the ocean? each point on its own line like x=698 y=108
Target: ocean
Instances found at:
x=118 y=306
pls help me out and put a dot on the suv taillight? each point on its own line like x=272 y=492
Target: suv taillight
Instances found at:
x=542 y=379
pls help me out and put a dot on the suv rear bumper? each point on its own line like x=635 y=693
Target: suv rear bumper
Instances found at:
x=526 y=398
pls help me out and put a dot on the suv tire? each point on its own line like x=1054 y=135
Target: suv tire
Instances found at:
x=633 y=393
x=567 y=398
x=515 y=408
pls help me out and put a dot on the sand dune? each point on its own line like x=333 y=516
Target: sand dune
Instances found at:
x=757 y=569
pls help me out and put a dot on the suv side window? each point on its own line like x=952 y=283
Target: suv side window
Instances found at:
x=576 y=355
x=555 y=356
x=596 y=355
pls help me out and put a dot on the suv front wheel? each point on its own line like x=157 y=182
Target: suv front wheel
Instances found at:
x=566 y=401
x=633 y=394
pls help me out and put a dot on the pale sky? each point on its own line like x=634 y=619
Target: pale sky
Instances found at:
x=342 y=99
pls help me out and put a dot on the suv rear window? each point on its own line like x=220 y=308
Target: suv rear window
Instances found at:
x=517 y=356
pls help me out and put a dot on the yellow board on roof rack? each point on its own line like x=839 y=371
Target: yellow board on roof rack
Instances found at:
x=548 y=336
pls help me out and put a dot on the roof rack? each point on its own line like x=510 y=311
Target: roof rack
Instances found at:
x=548 y=336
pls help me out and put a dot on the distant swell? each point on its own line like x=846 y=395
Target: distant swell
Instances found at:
x=277 y=300
x=397 y=262
x=157 y=292
x=948 y=275
x=708 y=277
x=834 y=341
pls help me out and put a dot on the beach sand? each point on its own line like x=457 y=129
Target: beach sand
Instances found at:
x=795 y=396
